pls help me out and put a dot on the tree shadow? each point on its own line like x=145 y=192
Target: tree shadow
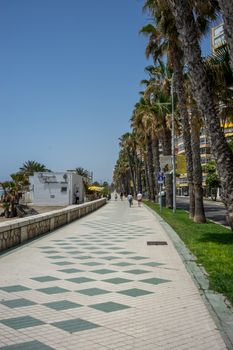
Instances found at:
x=222 y=238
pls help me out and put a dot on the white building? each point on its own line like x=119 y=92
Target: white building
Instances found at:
x=56 y=188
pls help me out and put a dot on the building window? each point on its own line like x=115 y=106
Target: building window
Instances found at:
x=63 y=189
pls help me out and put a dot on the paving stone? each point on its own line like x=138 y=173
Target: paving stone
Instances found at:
x=92 y=263
x=31 y=345
x=109 y=306
x=52 y=290
x=17 y=303
x=154 y=280
x=63 y=263
x=137 y=271
x=103 y=271
x=93 y=291
x=75 y=325
x=15 y=288
x=44 y=278
x=122 y=264
x=71 y=270
x=62 y=305
x=117 y=280
x=21 y=322
x=80 y=279
x=135 y=292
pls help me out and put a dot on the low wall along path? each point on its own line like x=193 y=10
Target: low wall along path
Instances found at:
x=20 y=230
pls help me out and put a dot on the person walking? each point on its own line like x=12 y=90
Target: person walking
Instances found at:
x=139 y=198
x=121 y=196
x=130 y=199
x=77 y=197
x=115 y=196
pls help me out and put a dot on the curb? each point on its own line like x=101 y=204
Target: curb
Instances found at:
x=217 y=304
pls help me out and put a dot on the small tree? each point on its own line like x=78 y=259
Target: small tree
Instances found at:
x=212 y=180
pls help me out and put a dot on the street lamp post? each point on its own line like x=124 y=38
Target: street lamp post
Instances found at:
x=173 y=147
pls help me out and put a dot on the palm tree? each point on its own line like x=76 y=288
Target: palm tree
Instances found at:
x=30 y=167
x=128 y=142
x=227 y=14
x=163 y=39
x=82 y=172
x=203 y=94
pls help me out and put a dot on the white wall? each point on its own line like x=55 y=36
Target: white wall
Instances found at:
x=49 y=188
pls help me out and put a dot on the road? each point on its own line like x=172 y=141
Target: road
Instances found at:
x=214 y=210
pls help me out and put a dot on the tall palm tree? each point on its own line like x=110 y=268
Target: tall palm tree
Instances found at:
x=128 y=142
x=163 y=40
x=203 y=94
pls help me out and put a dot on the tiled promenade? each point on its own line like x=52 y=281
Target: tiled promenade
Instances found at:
x=96 y=285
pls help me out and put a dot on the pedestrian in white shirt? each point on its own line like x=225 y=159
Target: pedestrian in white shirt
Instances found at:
x=139 y=198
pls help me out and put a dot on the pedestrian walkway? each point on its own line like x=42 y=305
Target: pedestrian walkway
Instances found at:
x=95 y=284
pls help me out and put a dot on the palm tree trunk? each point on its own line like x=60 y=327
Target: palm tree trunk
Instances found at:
x=167 y=149
x=203 y=95
x=150 y=167
x=146 y=176
x=131 y=171
x=199 y=214
x=227 y=13
x=185 y=126
x=155 y=151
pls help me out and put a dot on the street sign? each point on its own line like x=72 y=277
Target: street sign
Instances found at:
x=160 y=177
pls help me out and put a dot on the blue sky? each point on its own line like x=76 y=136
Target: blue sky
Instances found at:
x=70 y=74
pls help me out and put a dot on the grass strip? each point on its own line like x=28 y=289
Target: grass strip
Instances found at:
x=211 y=243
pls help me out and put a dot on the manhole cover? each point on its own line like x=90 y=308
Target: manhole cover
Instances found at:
x=157 y=243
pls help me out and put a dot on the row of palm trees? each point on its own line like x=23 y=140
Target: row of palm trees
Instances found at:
x=203 y=98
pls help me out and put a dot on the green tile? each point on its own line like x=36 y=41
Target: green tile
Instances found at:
x=137 y=271
x=31 y=345
x=116 y=248
x=68 y=248
x=103 y=271
x=125 y=253
x=50 y=251
x=92 y=263
x=63 y=263
x=122 y=264
x=134 y=292
x=101 y=252
x=117 y=280
x=70 y=270
x=75 y=252
x=56 y=257
x=17 y=303
x=52 y=290
x=80 y=280
x=82 y=257
x=75 y=325
x=44 y=278
x=154 y=280
x=109 y=306
x=45 y=247
x=138 y=257
x=15 y=288
x=152 y=264
x=62 y=305
x=110 y=257
x=21 y=322
x=93 y=291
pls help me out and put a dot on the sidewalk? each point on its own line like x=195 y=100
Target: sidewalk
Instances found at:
x=96 y=284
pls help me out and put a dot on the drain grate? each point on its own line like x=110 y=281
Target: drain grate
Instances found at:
x=156 y=243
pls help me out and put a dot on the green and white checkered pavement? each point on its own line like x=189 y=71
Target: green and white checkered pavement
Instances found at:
x=95 y=284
